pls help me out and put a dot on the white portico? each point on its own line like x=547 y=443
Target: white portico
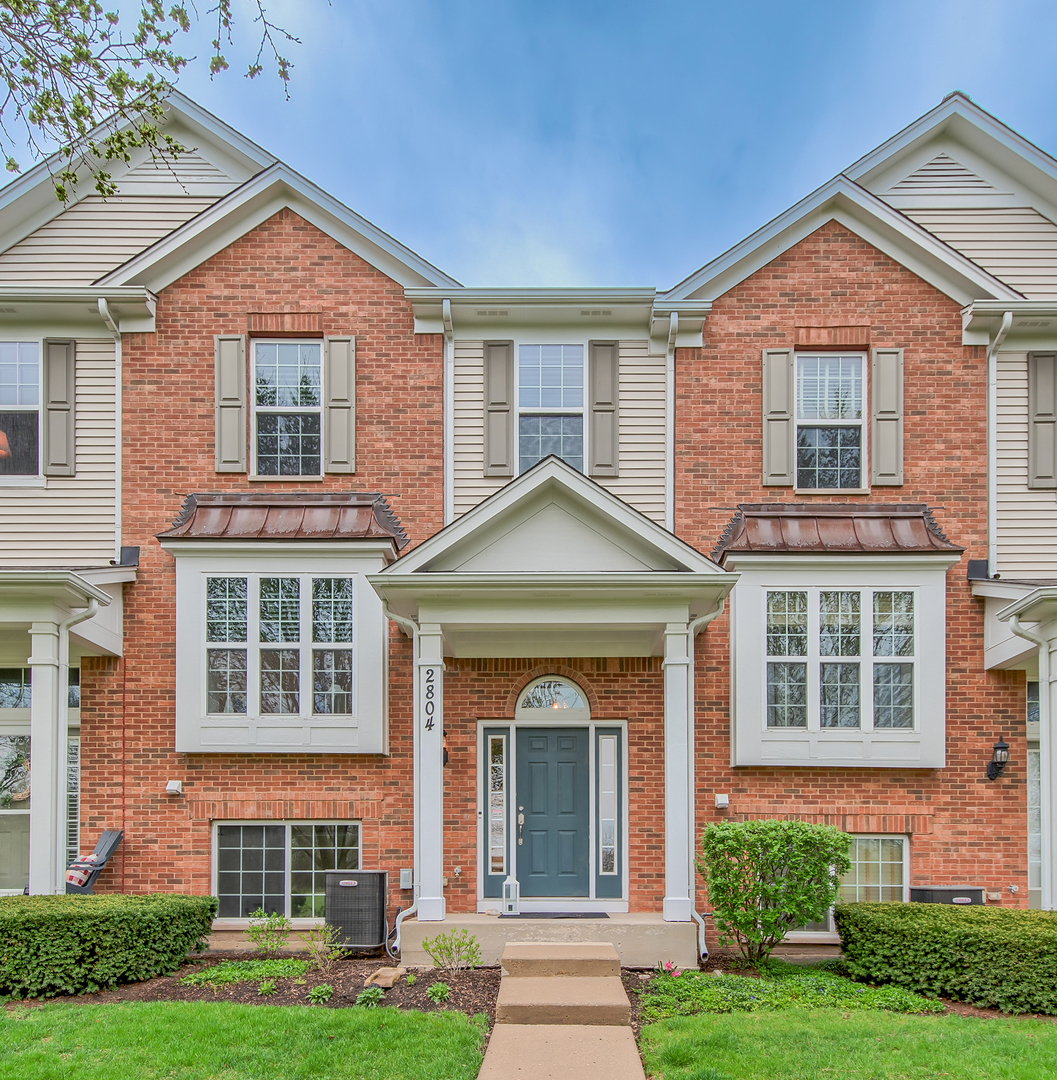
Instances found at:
x=554 y=565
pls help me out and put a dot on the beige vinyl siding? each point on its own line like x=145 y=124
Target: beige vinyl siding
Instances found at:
x=1017 y=245
x=94 y=237
x=641 y=479
x=70 y=522
x=1027 y=520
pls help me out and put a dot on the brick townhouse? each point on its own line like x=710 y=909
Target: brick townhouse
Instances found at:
x=313 y=558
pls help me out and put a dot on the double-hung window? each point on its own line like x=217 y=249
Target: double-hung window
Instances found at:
x=840 y=658
x=279 y=646
x=829 y=422
x=550 y=404
x=19 y=408
x=288 y=406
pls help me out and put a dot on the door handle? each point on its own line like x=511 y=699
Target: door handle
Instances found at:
x=520 y=829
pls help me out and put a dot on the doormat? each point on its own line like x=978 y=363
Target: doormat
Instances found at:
x=558 y=915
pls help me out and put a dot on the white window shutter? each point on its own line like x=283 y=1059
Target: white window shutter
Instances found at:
x=59 y=391
x=499 y=417
x=779 y=417
x=886 y=429
x=1042 y=420
x=231 y=404
x=339 y=418
x=604 y=387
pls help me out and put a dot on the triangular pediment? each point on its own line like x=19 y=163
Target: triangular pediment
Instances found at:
x=553 y=520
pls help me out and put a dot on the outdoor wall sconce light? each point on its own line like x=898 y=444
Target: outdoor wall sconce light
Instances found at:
x=998 y=759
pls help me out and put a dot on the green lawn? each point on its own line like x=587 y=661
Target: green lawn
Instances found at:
x=802 y=1044
x=219 y=1041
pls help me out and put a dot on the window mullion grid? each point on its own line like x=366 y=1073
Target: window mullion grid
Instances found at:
x=286 y=873
x=304 y=634
x=814 y=660
x=253 y=645
x=866 y=651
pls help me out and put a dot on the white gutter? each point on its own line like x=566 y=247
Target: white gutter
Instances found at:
x=669 y=424
x=104 y=314
x=992 y=443
x=449 y=413
x=410 y=627
x=694 y=628
x=1046 y=764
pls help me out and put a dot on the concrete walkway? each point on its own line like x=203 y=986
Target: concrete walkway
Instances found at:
x=562 y=1012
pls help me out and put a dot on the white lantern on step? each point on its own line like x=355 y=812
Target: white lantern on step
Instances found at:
x=511 y=896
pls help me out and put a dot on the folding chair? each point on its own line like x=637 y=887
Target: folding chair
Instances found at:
x=90 y=867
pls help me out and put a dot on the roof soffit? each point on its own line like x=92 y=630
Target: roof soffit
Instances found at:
x=276 y=188
x=28 y=203
x=867 y=216
x=553 y=520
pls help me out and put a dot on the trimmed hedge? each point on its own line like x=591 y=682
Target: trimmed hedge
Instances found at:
x=998 y=958
x=80 y=944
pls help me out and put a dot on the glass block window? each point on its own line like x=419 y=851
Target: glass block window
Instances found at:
x=73 y=798
x=828 y=685
x=281 y=867
x=19 y=408
x=263 y=635
x=288 y=397
x=497 y=804
x=829 y=433
x=607 y=804
x=551 y=404
x=877 y=870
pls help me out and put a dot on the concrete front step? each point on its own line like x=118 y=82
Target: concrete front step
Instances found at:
x=528 y=1052
x=563 y=1000
x=589 y=959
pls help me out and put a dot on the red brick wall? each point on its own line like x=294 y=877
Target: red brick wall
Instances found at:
x=283 y=276
x=964 y=829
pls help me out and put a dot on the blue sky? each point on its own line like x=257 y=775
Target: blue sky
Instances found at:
x=538 y=142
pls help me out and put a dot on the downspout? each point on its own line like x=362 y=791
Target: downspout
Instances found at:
x=992 y=443
x=449 y=413
x=1046 y=779
x=669 y=424
x=693 y=629
x=410 y=627
x=62 y=727
x=108 y=319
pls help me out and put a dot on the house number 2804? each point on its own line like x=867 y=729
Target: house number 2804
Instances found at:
x=430 y=705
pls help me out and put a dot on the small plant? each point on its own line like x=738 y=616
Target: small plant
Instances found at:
x=370 y=996
x=669 y=967
x=438 y=993
x=300 y=981
x=321 y=946
x=410 y=978
x=321 y=994
x=267 y=987
x=453 y=952
x=268 y=932
x=238 y=971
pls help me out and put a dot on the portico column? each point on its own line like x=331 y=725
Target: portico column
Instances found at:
x=1048 y=763
x=430 y=807
x=48 y=739
x=677 y=760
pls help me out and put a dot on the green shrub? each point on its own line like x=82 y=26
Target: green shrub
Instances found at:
x=267 y=987
x=438 y=993
x=321 y=945
x=268 y=932
x=80 y=944
x=238 y=971
x=998 y=958
x=453 y=951
x=766 y=878
x=783 y=986
x=321 y=994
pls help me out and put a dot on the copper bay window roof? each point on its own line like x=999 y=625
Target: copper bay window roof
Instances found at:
x=353 y=515
x=832 y=528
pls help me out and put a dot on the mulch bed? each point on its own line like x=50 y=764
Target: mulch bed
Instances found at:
x=472 y=992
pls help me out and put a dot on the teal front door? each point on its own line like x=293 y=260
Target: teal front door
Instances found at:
x=552 y=811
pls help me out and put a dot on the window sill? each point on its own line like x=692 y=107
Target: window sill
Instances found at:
x=831 y=491
x=285 y=479
x=24 y=481
x=243 y=924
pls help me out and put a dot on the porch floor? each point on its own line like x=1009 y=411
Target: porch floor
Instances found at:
x=643 y=939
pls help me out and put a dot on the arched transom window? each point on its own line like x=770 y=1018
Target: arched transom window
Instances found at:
x=551 y=695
